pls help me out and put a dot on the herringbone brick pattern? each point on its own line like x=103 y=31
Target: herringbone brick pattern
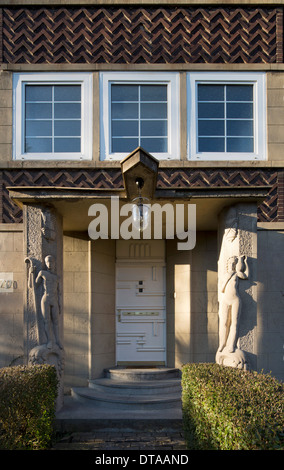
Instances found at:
x=167 y=179
x=142 y=35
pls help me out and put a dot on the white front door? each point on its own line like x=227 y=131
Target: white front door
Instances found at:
x=140 y=313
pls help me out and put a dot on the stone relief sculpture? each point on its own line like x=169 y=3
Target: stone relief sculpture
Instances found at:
x=231 y=269
x=50 y=306
x=46 y=291
x=230 y=303
x=48 y=225
x=49 y=301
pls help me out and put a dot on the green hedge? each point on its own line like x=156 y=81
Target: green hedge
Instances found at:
x=230 y=409
x=27 y=406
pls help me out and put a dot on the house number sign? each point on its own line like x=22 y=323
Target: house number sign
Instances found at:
x=7 y=283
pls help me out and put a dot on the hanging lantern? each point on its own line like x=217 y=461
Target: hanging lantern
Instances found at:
x=141 y=212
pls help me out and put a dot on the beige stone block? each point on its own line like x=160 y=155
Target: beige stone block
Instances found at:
x=276 y=152
x=182 y=302
x=104 y=343
x=81 y=324
x=101 y=362
x=212 y=280
x=103 y=303
x=275 y=80
x=68 y=321
x=81 y=244
x=276 y=134
x=11 y=303
x=75 y=261
x=81 y=281
x=76 y=303
x=104 y=246
x=275 y=115
x=102 y=323
x=68 y=243
x=275 y=97
x=68 y=281
x=6 y=242
x=103 y=283
x=5 y=152
x=102 y=263
x=18 y=238
x=6 y=98
x=6 y=117
x=183 y=323
x=182 y=278
x=6 y=134
x=80 y=365
x=6 y=80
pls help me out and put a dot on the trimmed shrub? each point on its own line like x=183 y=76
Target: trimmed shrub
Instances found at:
x=27 y=406
x=230 y=409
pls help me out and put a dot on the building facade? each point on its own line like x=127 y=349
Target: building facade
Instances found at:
x=188 y=99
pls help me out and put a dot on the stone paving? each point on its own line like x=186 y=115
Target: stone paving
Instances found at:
x=167 y=440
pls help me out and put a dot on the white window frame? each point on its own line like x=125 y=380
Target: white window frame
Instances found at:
x=171 y=79
x=258 y=80
x=20 y=80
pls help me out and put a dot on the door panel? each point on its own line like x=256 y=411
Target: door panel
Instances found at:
x=140 y=313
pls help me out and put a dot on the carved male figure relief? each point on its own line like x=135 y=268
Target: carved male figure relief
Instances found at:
x=230 y=303
x=50 y=300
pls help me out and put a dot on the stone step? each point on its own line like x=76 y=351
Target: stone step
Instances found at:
x=133 y=388
x=142 y=387
x=136 y=374
x=125 y=401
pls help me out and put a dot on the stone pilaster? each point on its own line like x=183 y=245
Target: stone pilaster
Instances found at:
x=43 y=317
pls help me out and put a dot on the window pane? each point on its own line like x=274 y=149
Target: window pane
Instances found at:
x=38 y=128
x=211 y=128
x=67 y=93
x=155 y=145
x=124 y=145
x=67 y=145
x=124 y=92
x=154 y=128
x=150 y=111
x=153 y=93
x=214 y=144
x=239 y=92
x=211 y=110
x=240 y=145
x=210 y=92
x=38 y=92
x=240 y=128
x=67 y=128
x=67 y=110
x=38 y=111
x=125 y=128
x=38 y=145
x=124 y=110
x=240 y=110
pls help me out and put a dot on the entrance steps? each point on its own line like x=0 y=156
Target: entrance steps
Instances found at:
x=133 y=389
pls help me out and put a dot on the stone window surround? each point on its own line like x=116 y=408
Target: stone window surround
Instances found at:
x=171 y=79
x=22 y=79
x=258 y=80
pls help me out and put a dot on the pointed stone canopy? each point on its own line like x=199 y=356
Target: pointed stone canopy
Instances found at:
x=140 y=164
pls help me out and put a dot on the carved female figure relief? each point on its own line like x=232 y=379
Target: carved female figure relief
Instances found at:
x=230 y=303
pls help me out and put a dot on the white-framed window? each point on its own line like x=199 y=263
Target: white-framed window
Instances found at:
x=52 y=116
x=226 y=116
x=139 y=109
